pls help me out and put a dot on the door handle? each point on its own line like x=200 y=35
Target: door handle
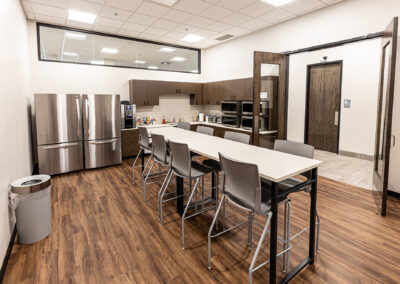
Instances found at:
x=104 y=141
x=393 y=140
x=78 y=110
x=336 y=118
x=60 y=146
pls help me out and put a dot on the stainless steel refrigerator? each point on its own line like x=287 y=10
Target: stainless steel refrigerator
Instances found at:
x=76 y=132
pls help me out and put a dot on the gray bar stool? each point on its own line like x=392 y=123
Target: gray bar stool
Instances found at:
x=241 y=186
x=182 y=166
x=303 y=150
x=144 y=145
x=159 y=155
x=205 y=130
x=184 y=125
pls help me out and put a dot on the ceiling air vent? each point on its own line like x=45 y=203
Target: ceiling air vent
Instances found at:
x=224 y=37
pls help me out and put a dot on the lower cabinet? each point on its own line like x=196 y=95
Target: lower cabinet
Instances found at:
x=129 y=142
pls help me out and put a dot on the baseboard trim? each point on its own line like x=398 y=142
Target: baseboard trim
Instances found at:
x=394 y=194
x=356 y=155
x=8 y=254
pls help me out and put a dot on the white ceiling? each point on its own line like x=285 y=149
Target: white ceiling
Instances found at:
x=148 y=20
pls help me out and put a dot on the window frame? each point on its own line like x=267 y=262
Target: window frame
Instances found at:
x=39 y=24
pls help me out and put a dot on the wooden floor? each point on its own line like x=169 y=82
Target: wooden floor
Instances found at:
x=104 y=233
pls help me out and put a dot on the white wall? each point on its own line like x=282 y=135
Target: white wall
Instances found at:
x=15 y=155
x=360 y=80
x=76 y=78
x=347 y=19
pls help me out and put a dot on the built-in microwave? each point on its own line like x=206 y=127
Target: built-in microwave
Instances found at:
x=231 y=120
x=247 y=108
x=247 y=122
x=231 y=107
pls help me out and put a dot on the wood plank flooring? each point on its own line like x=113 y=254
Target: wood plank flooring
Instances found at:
x=104 y=233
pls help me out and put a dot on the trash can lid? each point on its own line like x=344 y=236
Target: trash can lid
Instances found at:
x=30 y=184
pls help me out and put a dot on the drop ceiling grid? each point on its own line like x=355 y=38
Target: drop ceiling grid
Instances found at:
x=151 y=21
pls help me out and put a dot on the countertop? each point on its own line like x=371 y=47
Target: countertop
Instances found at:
x=204 y=123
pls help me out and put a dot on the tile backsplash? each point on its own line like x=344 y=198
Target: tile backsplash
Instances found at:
x=176 y=106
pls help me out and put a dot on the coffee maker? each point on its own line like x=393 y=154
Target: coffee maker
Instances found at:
x=128 y=115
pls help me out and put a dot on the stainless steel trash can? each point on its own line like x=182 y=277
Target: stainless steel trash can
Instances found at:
x=31 y=199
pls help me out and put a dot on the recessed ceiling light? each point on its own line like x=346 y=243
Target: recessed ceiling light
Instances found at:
x=277 y=3
x=79 y=16
x=167 y=49
x=139 y=62
x=178 y=58
x=165 y=2
x=95 y=61
x=192 y=38
x=152 y=67
x=78 y=36
x=66 y=53
x=109 y=50
x=195 y=71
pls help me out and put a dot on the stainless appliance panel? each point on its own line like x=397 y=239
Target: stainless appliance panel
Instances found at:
x=231 y=107
x=58 y=118
x=101 y=153
x=231 y=120
x=247 y=122
x=101 y=116
x=247 y=108
x=60 y=158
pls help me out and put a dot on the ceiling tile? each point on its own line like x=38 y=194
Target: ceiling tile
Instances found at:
x=200 y=22
x=254 y=24
x=79 y=25
x=148 y=36
x=142 y=19
x=101 y=2
x=130 y=5
x=50 y=19
x=134 y=27
x=303 y=6
x=216 y=13
x=109 y=22
x=167 y=39
x=177 y=16
x=235 y=19
x=49 y=10
x=192 y=6
x=277 y=16
x=115 y=13
x=186 y=29
x=166 y=25
x=206 y=33
x=155 y=31
x=27 y=6
x=236 y=4
x=152 y=9
x=236 y=31
x=105 y=29
x=218 y=26
x=30 y=16
x=84 y=6
x=54 y=3
x=128 y=33
x=175 y=35
x=257 y=9
x=330 y=2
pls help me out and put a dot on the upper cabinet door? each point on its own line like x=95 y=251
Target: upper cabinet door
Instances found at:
x=137 y=92
x=166 y=87
x=101 y=116
x=58 y=118
x=152 y=93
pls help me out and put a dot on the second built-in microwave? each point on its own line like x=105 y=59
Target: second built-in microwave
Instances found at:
x=248 y=108
x=231 y=120
x=247 y=122
x=231 y=107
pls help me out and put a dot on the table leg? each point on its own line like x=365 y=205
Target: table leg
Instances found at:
x=179 y=192
x=313 y=208
x=213 y=180
x=274 y=233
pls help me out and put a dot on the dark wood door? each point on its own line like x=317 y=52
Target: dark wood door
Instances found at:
x=152 y=93
x=323 y=108
x=384 y=117
x=137 y=92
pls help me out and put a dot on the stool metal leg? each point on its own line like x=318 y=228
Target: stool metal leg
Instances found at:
x=145 y=179
x=162 y=197
x=186 y=209
x=134 y=163
x=250 y=230
x=166 y=180
x=211 y=228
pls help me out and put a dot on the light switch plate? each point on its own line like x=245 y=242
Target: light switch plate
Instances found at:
x=347 y=103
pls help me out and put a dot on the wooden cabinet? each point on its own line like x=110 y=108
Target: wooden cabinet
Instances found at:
x=129 y=142
x=216 y=92
x=137 y=92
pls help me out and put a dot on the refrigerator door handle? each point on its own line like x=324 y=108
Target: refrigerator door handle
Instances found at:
x=87 y=116
x=64 y=145
x=104 y=141
x=79 y=116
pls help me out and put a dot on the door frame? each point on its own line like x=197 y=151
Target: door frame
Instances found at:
x=309 y=66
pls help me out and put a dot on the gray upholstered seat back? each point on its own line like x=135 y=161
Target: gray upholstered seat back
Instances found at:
x=205 y=130
x=237 y=136
x=184 y=125
x=241 y=181
x=144 y=140
x=159 y=147
x=180 y=158
x=294 y=148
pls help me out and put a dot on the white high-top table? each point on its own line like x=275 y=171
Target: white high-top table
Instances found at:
x=273 y=166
